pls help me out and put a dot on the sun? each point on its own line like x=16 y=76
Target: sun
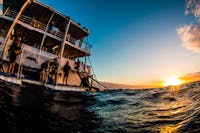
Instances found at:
x=173 y=81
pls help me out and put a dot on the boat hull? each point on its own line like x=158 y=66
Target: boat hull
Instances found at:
x=21 y=82
x=11 y=80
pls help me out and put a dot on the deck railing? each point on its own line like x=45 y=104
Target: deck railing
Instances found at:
x=28 y=20
x=33 y=22
x=57 y=33
x=39 y=25
x=85 y=46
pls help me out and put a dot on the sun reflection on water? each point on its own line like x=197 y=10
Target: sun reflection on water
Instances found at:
x=169 y=129
x=172 y=106
x=174 y=89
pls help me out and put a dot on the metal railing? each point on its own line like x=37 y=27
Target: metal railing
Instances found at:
x=39 y=25
x=56 y=33
x=33 y=22
x=97 y=84
x=28 y=20
x=85 y=46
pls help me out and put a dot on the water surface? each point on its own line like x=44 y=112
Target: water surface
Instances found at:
x=35 y=109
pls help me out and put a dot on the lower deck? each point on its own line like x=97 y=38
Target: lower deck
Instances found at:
x=60 y=87
x=32 y=76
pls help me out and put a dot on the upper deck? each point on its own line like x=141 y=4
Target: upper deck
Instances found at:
x=37 y=20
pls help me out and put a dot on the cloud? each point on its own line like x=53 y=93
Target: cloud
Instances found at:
x=190 y=34
x=193 y=7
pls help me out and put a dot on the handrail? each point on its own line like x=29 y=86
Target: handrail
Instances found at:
x=28 y=20
x=33 y=22
x=59 y=34
x=98 y=84
x=85 y=46
x=39 y=25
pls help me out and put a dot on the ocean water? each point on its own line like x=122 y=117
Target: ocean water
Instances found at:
x=32 y=109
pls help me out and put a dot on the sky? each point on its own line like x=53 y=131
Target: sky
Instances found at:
x=138 y=41
x=1 y=6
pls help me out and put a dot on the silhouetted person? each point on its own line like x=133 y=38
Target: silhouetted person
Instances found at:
x=66 y=70
x=14 y=50
x=54 y=69
x=77 y=65
x=85 y=82
x=44 y=72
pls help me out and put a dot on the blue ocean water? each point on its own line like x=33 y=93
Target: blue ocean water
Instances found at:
x=32 y=109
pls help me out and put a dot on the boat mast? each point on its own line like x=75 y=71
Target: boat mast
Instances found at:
x=4 y=47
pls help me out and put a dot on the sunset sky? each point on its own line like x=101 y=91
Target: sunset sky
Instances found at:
x=138 y=41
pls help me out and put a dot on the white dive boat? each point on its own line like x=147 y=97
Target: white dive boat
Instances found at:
x=46 y=35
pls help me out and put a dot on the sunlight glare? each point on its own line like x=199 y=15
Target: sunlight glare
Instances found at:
x=172 y=81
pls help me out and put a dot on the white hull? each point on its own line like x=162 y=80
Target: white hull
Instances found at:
x=57 y=87
x=53 y=87
x=11 y=80
x=66 y=88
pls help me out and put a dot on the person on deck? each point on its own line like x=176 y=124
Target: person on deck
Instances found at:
x=77 y=65
x=54 y=69
x=44 y=71
x=53 y=28
x=66 y=70
x=85 y=81
x=14 y=50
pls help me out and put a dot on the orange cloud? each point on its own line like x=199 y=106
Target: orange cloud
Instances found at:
x=190 y=34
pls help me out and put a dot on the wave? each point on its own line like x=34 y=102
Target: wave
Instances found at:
x=151 y=110
x=35 y=108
